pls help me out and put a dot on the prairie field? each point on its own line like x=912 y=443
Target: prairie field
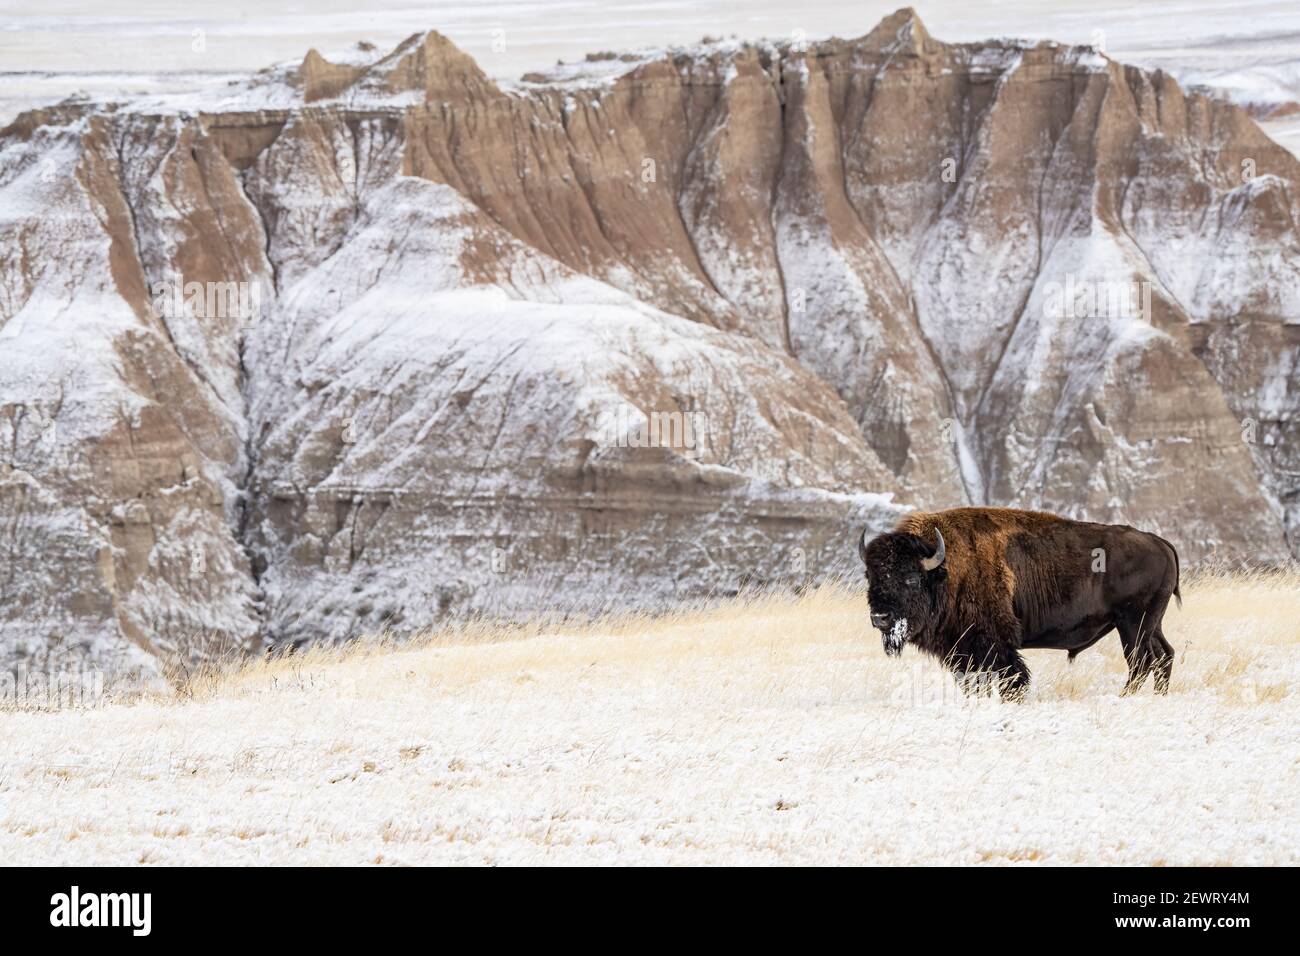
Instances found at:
x=767 y=730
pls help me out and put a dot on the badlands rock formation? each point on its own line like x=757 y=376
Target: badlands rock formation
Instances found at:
x=371 y=341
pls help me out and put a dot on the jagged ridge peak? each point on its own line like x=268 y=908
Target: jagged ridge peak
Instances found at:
x=427 y=63
x=902 y=32
x=322 y=79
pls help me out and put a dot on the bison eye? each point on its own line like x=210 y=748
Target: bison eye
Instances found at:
x=913 y=580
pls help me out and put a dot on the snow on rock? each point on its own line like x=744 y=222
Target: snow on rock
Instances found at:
x=122 y=448
x=434 y=444
x=644 y=329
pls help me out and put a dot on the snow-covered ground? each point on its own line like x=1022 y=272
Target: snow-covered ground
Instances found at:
x=1248 y=49
x=773 y=731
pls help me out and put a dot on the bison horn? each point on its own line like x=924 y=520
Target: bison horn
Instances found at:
x=940 y=552
x=862 y=546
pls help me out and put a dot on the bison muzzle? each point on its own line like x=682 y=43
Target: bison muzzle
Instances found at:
x=975 y=586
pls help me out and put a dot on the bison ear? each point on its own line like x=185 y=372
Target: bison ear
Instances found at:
x=862 y=546
x=940 y=552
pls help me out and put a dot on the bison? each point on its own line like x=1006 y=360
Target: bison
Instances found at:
x=975 y=586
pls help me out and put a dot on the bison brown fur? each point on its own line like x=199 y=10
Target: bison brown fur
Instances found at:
x=975 y=586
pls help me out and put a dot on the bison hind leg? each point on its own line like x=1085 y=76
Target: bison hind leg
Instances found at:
x=1164 y=661
x=1137 y=656
x=1145 y=647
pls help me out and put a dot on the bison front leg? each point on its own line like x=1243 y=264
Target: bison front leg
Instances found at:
x=997 y=666
x=974 y=683
x=1011 y=674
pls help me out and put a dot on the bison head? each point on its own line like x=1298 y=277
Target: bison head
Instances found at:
x=905 y=581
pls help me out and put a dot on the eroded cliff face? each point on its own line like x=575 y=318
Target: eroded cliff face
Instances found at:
x=644 y=328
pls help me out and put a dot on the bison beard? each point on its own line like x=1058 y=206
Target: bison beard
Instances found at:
x=974 y=586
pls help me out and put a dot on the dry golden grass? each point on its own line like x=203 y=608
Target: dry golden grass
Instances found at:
x=1230 y=623
x=770 y=728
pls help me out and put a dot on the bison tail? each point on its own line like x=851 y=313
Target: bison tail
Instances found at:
x=1178 y=574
